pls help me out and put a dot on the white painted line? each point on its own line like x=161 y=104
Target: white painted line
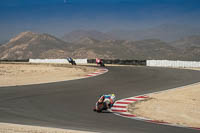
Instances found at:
x=121 y=105
x=113 y=108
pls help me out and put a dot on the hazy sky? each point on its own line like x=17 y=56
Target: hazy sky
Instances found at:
x=61 y=16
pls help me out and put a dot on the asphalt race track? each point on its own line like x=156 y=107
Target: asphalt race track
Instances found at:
x=69 y=104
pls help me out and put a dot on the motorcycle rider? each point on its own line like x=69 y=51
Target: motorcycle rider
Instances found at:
x=100 y=62
x=109 y=99
x=70 y=60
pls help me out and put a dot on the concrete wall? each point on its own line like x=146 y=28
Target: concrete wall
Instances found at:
x=78 y=61
x=81 y=61
x=170 y=63
x=153 y=63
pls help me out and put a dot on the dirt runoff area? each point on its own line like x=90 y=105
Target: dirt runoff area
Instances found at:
x=177 y=106
x=15 y=128
x=24 y=74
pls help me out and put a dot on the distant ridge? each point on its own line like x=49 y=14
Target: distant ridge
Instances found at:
x=33 y=45
x=76 y=35
x=190 y=47
x=164 y=32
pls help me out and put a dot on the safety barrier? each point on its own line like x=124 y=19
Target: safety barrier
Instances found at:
x=85 y=61
x=11 y=60
x=170 y=63
x=65 y=61
x=48 y=61
x=120 y=62
x=152 y=63
x=81 y=61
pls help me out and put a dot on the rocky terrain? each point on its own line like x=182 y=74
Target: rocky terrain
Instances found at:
x=95 y=44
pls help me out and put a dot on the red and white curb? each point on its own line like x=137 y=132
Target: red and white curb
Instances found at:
x=98 y=72
x=120 y=108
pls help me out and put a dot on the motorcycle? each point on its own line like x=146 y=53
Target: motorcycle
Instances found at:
x=100 y=62
x=70 y=60
x=100 y=107
x=104 y=103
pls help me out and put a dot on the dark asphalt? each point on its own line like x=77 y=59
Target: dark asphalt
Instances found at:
x=69 y=104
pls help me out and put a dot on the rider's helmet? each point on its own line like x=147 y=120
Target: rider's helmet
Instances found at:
x=113 y=97
x=98 y=60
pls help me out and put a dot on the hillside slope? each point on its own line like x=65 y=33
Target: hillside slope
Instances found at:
x=33 y=45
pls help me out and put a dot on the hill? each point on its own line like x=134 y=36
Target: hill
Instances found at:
x=190 y=47
x=77 y=35
x=122 y=49
x=33 y=45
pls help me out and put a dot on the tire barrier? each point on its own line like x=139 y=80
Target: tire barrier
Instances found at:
x=10 y=60
x=120 y=62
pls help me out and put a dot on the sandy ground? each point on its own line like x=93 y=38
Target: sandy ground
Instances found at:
x=178 y=106
x=24 y=74
x=15 y=128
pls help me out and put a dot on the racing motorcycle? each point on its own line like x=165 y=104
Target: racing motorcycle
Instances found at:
x=104 y=103
x=100 y=107
x=100 y=62
x=70 y=60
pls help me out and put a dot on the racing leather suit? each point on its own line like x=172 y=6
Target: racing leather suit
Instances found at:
x=109 y=99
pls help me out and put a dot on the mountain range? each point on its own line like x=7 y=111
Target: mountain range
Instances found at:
x=90 y=45
x=164 y=32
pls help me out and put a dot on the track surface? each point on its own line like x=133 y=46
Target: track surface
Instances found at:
x=69 y=104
